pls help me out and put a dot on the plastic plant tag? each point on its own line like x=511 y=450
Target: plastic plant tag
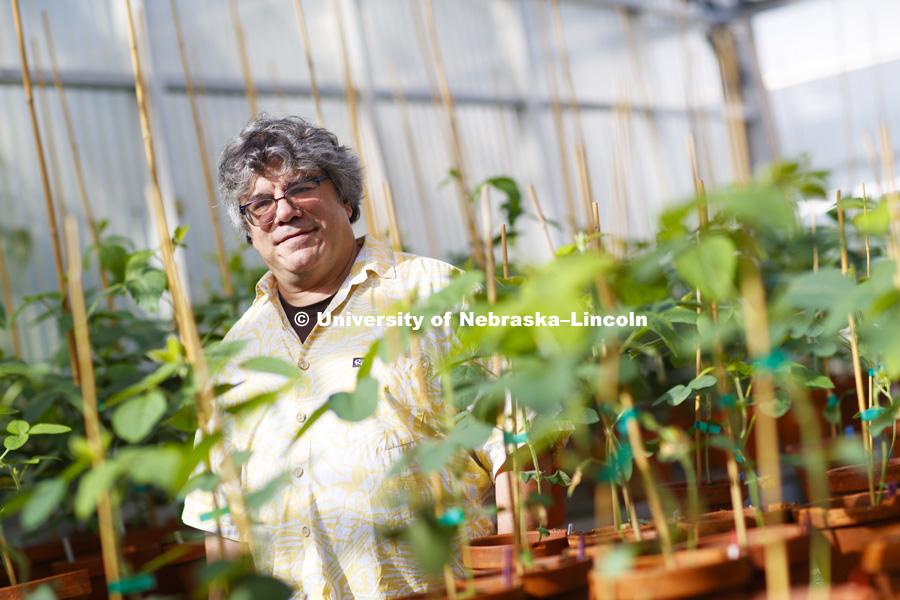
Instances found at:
x=215 y=514
x=892 y=489
x=580 y=551
x=507 y=567
x=871 y=414
x=622 y=425
x=848 y=432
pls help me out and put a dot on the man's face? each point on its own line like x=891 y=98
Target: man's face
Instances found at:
x=302 y=245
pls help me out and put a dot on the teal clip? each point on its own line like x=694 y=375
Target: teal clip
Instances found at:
x=133 y=585
x=141 y=489
x=704 y=426
x=101 y=406
x=871 y=414
x=622 y=425
x=871 y=371
x=452 y=517
x=215 y=514
x=771 y=362
x=727 y=400
x=832 y=401
x=514 y=438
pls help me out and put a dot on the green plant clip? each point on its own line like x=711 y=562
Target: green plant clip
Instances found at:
x=832 y=401
x=452 y=517
x=704 y=426
x=727 y=400
x=133 y=585
x=871 y=371
x=214 y=514
x=771 y=362
x=141 y=489
x=871 y=414
x=626 y=416
x=514 y=438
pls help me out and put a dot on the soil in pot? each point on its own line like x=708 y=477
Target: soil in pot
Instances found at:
x=715 y=495
x=721 y=521
x=698 y=572
x=557 y=577
x=68 y=586
x=609 y=535
x=487 y=554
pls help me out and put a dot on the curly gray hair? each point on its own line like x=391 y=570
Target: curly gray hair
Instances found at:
x=282 y=145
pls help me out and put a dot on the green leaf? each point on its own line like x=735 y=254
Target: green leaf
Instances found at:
x=358 y=404
x=2 y=316
x=709 y=266
x=675 y=396
x=17 y=427
x=180 y=232
x=159 y=466
x=260 y=586
x=113 y=259
x=46 y=497
x=702 y=384
x=155 y=378
x=147 y=289
x=45 y=428
x=875 y=222
x=275 y=366
x=136 y=418
x=14 y=442
x=430 y=542
x=780 y=406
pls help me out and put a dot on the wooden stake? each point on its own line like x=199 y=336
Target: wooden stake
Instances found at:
x=221 y=255
x=298 y=8
x=461 y=184
x=489 y=268
x=350 y=96
x=868 y=252
x=45 y=181
x=396 y=240
x=845 y=263
x=505 y=254
x=416 y=167
x=541 y=220
x=584 y=182
x=10 y=305
x=556 y=108
x=76 y=155
x=89 y=404
x=184 y=318
x=249 y=87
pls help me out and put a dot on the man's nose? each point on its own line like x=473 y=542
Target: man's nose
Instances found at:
x=284 y=212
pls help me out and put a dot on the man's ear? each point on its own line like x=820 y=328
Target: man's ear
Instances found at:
x=348 y=208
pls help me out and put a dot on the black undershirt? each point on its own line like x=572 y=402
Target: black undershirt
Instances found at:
x=308 y=315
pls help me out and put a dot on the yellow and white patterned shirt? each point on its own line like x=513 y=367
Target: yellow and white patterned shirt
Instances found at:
x=319 y=533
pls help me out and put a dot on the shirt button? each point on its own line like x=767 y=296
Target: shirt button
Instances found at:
x=304 y=365
x=301 y=417
x=298 y=472
x=304 y=531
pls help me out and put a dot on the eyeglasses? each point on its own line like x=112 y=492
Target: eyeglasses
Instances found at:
x=301 y=196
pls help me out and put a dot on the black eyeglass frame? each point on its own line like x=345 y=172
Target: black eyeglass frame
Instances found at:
x=317 y=180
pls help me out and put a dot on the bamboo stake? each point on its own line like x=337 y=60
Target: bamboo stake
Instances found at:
x=505 y=253
x=76 y=155
x=872 y=159
x=489 y=268
x=183 y=315
x=868 y=252
x=40 y=89
x=350 y=97
x=396 y=240
x=845 y=266
x=421 y=188
x=45 y=182
x=7 y=563
x=584 y=182
x=559 y=38
x=111 y=565
x=702 y=218
x=556 y=109
x=723 y=44
x=541 y=220
x=221 y=255
x=756 y=324
x=10 y=305
x=249 y=87
x=304 y=34
x=447 y=98
x=887 y=156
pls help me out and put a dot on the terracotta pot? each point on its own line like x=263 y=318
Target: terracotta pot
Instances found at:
x=698 y=572
x=849 y=524
x=881 y=561
x=721 y=521
x=853 y=478
x=41 y=556
x=486 y=588
x=802 y=592
x=609 y=535
x=552 y=576
x=715 y=495
x=68 y=586
x=489 y=553
x=797 y=450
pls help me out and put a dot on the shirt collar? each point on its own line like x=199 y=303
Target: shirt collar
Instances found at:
x=374 y=256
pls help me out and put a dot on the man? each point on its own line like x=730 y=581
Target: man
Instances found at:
x=294 y=191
